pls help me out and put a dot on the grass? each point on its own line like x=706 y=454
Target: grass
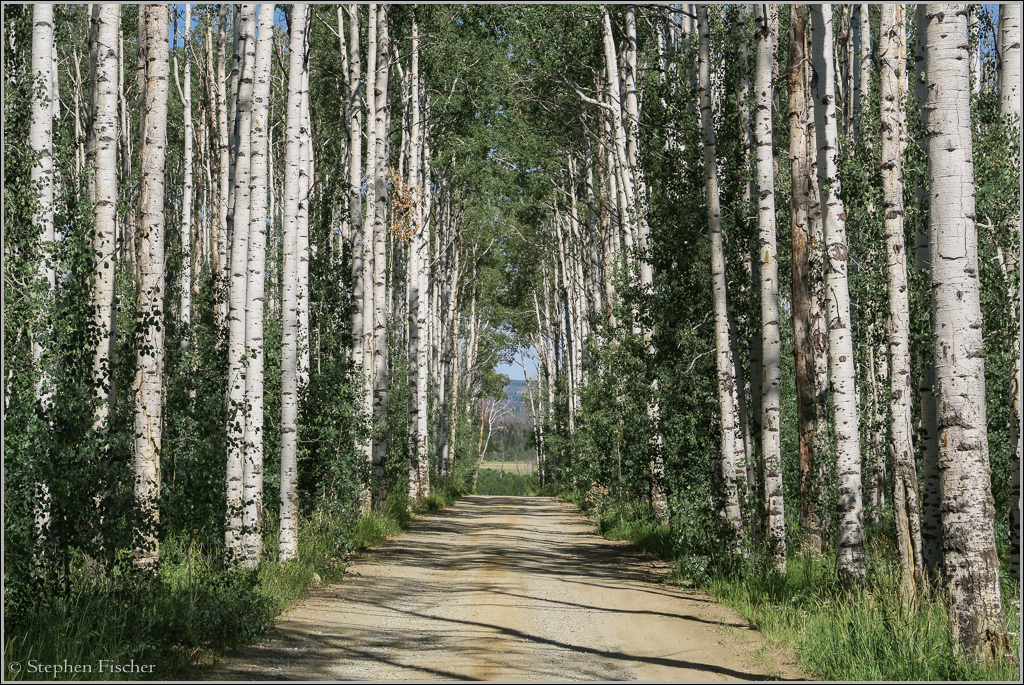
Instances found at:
x=491 y=482
x=194 y=608
x=863 y=633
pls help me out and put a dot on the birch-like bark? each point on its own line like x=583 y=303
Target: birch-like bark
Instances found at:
x=864 y=61
x=103 y=152
x=849 y=506
x=149 y=359
x=970 y=563
x=419 y=468
x=819 y=322
x=238 y=225
x=355 y=181
x=976 y=68
x=185 y=278
x=252 y=461
x=732 y=444
x=44 y=103
x=1010 y=75
x=288 y=541
x=368 y=228
x=906 y=504
x=380 y=351
x=41 y=175
x=224 y=155
x=771 y=443
x=306 y=178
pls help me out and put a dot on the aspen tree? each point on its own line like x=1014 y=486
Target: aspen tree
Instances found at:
x=771 y=444
x=368 y=232
x=800 y=287
x=419 y=471
x=906 y=505
x=1010 y=75
x=731 y=448
x=103 y=153
x=976 y=68
x=970 y=563
x=423 y=250
x=864 y=58
x=185 y=278
x=224 y=162
x=849 y=508
x=149 y=359
x=252 y=461
x=306 y=171
x=42 y=176
x=818 y=318
x=354 y=124
x=288 y=544
x=239 y=227
x=380 y=380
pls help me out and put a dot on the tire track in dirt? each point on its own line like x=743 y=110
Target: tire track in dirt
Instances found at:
x=507 y=588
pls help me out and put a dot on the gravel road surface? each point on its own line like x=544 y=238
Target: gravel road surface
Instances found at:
x=507 y=588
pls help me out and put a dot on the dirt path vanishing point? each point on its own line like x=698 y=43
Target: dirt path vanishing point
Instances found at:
x=507 y=588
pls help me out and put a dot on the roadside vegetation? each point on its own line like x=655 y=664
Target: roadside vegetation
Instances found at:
x=196 y=607
x=867 y=632
x=494 y=482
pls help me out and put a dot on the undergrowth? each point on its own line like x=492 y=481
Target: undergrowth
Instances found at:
x=193 y=609
x=864 y=633
x=494 y=482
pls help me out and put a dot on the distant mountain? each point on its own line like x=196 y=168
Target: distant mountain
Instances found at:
x=516 y=393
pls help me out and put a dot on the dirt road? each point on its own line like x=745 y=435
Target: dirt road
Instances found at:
x=507 y=588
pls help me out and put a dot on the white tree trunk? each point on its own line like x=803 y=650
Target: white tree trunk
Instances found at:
x=849 y=505
x=288 y=541
x=185 y=278
x=732 y=443
x=306 y=177
x=224 y=157
x=149 y=359
x=906 y=504
x=239 y=228
x=44 y=103
x=970 y=563
x=103 y=151
x=42 y=177
x=380 y=351
x=252 y=462
x=864 y=89
x=819 y=321
x=355 y=181
x=771 y=443
x=1010 y=59
x=368 y=228
x=419 y=468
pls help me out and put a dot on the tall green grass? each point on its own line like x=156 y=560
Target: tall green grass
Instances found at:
x=193 y=609
x=493 y=482
x=864 y=633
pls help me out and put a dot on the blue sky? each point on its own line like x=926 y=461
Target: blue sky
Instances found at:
x=515 y=371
